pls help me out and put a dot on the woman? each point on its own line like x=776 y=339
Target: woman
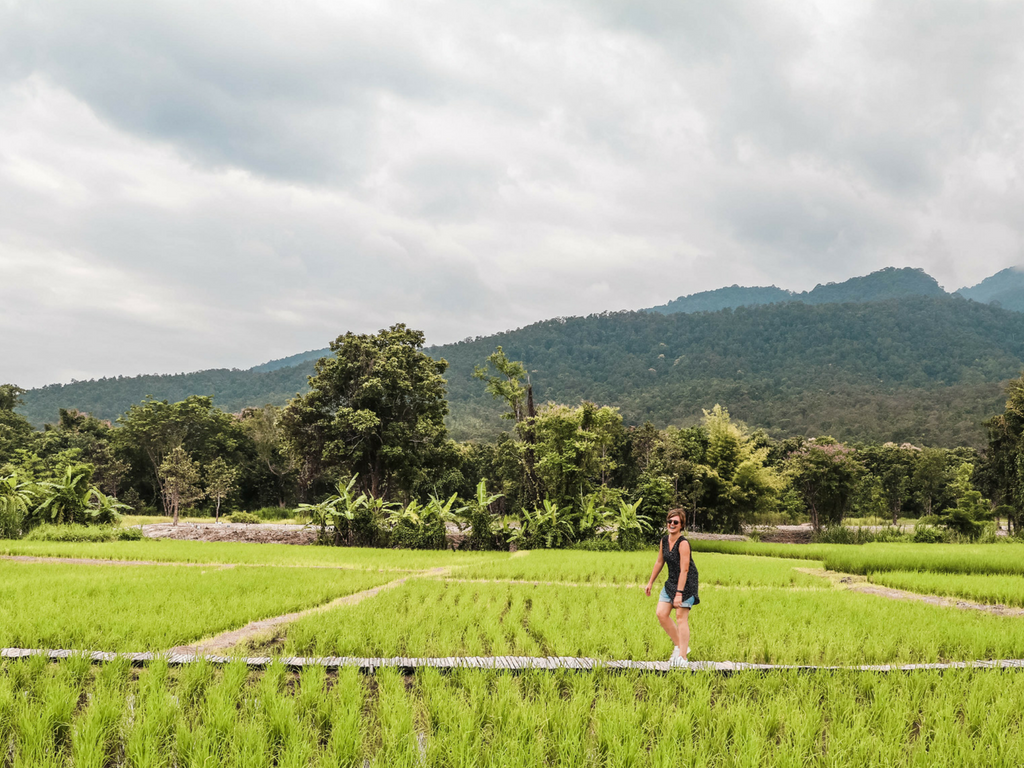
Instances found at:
x=680 y=590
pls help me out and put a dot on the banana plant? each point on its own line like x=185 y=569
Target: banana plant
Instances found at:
x=66 y=500
x=477 y=518
x=595 y=519
x=15 y=501
x=104 y=509
x=550 y=525
x=629 y=524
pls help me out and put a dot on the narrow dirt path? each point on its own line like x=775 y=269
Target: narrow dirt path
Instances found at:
x=861 y=584
x=234 y=637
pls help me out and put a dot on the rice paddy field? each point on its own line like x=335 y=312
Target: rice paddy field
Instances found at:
x=756 y=605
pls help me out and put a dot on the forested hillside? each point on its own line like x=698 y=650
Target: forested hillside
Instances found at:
x=924 y=370
x=1005 y=289
x=888 y=283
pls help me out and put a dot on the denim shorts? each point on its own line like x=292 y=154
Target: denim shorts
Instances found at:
x=664 y=598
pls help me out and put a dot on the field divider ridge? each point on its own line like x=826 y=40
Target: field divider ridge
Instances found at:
x=857 y=583
x=233 y=637
x=510 y=663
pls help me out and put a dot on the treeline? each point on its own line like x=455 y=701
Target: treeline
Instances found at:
x=920 y=370
x=366 y=454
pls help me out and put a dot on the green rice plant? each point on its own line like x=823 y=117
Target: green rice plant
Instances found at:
x=941 y=558
x=761 y=625
x=347 y=698
x=624 y=568
x=83 y=533
x=758 y=549
x=398 y=745
x=153 y=713
x=96 y=738
x=229 y=553
x=486 y=718
x=983 y=588
x=60 y=605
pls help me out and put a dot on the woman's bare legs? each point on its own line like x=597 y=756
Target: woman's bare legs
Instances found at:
x=667 y=624
x=682 y=629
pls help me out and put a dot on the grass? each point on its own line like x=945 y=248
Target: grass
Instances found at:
x=176 y=551
x=982 y=588
x=71 y=714
x=1005 y=557
x=759 y=624
x=141 y=608
x=635 y=568
x=757 y=549
x=1002 y=558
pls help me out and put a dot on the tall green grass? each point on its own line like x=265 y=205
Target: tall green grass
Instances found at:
x=141 y=608
x=982 y=588
x=176 y=551
x=69 y=714
x=757 y=549
x=635 y=568
x=761 y=624
x=1000 y=558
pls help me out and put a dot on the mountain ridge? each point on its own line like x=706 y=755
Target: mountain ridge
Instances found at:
x=924 y=369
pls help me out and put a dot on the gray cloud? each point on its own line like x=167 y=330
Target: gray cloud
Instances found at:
x=190 y=185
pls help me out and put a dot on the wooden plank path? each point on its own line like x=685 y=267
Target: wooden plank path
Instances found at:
x=511 y=663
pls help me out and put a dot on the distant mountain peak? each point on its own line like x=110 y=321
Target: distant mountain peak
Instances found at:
x=1005 y=289
x=887 y=283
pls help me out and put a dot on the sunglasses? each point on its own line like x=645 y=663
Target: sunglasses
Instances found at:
x=672 y=522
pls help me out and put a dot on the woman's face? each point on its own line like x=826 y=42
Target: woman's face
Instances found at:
x=674 y=524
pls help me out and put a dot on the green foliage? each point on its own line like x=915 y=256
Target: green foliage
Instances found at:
x=180 y=482
x=972 y=511
x=374 y=410
x=919 y=369
x=83 y=533
x=16 y=499
x=737 y=481
x=73 y=499
x=221 y=480
x=244 y=517
x=424 y=526
x=478 y=516
x=826 y=474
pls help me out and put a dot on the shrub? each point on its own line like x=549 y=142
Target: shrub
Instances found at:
x=83 y=533
x=243 y=517
x=274 y=513
x=927 y=534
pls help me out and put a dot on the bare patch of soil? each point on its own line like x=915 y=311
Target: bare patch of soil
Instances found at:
x=861 y=584
x=233 y=532
x=789 y=534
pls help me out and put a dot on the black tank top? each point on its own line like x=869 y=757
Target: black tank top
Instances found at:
x=671 y=557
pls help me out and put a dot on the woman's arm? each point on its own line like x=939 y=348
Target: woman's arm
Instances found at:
x=684 y=571
x=658 y=565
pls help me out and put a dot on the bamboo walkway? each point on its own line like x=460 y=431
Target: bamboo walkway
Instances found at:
x=510 y=663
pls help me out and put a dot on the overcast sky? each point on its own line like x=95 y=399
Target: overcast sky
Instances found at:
x=215 y=184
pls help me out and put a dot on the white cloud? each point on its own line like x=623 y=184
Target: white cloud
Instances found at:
x=216 y=184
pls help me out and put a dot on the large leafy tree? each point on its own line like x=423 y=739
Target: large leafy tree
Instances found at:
x=825 y=473
x=737 y=480
x=153 y=429
x=376 y=408
x=15 y=431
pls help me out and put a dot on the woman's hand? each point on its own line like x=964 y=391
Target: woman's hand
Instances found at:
x=678 y=601
x=647 y=589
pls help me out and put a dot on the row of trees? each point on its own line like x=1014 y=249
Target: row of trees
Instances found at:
x=367 y=454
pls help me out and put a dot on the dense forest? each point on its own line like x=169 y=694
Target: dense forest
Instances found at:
x=920 y=369
x=367 y=455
